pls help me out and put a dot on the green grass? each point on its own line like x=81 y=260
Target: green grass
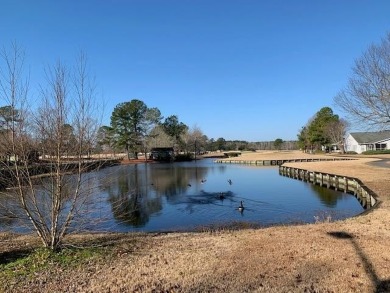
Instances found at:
x=230 y=226
x=379 y=152
x=43 y=260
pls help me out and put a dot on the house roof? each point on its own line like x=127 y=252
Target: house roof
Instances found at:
x=371 y=137
x=168 y=149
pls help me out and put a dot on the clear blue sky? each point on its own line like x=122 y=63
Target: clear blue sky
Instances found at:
x=244 y=69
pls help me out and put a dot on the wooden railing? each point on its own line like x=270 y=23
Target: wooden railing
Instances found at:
x=354 y=186
x=278 y=162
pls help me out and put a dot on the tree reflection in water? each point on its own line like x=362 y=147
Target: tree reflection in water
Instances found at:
x=131 y=201
x=172 y=181
x=135 y=192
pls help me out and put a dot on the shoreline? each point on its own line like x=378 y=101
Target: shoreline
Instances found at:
x=350 y=255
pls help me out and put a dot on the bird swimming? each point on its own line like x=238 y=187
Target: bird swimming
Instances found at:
x=241 y=207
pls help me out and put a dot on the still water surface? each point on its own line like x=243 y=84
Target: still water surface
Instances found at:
x=196 y=195
x=190 y=195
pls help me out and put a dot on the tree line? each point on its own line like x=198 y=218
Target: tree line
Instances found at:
x=136 y=128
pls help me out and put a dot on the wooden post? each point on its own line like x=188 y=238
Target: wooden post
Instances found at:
x=345 y=185
x=336 y=183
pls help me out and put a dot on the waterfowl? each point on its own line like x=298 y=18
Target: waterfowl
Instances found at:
x=230 y=181
x=189 y=185
x=241 y=207
x=203 y=180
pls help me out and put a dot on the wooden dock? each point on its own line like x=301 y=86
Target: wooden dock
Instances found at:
x=278 y=162
x=354 y=186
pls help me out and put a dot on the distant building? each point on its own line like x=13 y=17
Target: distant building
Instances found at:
x=162 y=154
x=367 y=141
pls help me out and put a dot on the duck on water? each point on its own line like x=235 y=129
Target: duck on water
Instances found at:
x=241 y=207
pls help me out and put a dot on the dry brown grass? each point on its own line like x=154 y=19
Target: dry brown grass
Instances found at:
x=352 y=255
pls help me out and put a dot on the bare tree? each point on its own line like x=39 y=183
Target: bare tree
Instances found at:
x=367 y=95
x=158 y=138
x=62 y=129
x=13 y=96
x=195 y=140
x=84 y=106
x=336 y=131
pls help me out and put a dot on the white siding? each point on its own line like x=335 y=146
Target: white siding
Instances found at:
x=351 y=145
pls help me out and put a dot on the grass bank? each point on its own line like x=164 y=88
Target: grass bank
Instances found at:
x=345 y=256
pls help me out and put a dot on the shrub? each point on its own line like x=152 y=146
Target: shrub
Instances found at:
x=232 y=154
x=378 y=152
x=183 y=157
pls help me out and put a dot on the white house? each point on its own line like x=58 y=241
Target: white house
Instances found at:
x=367 y=141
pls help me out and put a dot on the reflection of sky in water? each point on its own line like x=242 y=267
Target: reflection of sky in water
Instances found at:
x=192 y=194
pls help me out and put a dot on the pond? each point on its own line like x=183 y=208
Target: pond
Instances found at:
x=200 y=194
